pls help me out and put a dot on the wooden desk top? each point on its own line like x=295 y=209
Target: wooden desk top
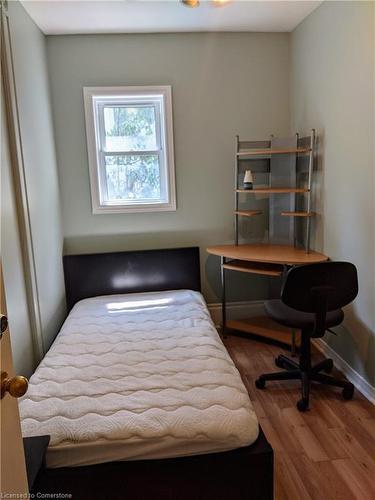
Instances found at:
x=275 y=254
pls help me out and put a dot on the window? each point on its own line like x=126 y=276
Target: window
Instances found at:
x=130 y=148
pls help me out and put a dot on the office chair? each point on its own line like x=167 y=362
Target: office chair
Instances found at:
x=311 y=300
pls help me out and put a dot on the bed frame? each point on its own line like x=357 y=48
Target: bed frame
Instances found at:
x=242 y=474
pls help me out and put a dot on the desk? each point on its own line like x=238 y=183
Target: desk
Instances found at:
x=267 y=260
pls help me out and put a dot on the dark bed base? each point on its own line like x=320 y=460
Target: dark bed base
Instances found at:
x=242 y=474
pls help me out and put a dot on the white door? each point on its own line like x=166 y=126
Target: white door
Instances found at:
x=13 y=479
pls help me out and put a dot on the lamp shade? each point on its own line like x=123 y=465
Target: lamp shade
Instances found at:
x=248 y=180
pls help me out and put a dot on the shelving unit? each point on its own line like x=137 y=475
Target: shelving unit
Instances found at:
x=244 y=266
x=286 y=151
x=288 y=163
x=263 y=326
x=272 y=190
x=248 y=213
x=270 y=151
x=297 y=214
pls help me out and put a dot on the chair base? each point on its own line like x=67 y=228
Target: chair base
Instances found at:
x=293 y=371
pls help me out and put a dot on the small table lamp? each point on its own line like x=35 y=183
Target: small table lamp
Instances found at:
x=248 y=180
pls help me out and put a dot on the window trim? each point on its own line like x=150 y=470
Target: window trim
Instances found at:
x=94 y=141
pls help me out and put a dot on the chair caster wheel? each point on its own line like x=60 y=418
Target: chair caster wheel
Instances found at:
x=302 y=405
x=329 y=366
x=348 y=391
x=260 y=383
x=279 y=363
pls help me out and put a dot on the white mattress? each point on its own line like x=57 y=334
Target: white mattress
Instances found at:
x=137 y=376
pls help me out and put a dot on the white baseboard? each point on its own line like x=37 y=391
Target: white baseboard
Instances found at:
x=354 y=377
x=248 y=309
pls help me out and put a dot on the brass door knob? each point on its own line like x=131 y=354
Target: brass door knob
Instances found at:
x=15 y=386
x=3 y=324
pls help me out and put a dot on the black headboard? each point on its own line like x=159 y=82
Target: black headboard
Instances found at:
x=126 y=272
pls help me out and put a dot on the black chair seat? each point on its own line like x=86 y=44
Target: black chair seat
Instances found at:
x=287 y=316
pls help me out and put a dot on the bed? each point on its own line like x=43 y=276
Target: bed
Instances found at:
x=138 y=385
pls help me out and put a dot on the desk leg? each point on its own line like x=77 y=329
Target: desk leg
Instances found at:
x=223 y=299
x=293 y=344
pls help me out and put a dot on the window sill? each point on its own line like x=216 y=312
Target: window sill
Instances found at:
x=131 y=209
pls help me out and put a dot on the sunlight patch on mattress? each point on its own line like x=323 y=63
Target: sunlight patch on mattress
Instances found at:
x=133 y=305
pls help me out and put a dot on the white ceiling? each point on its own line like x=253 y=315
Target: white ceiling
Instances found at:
x=55 y=17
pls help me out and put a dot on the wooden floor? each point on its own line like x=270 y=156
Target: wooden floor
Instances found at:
x=324 y=454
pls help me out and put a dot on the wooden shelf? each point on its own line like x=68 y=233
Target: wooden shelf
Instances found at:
x=269 y=151
x=272 y=190
x=264 y=327
x=245 y=266
x=297 y=214
x=248 y=213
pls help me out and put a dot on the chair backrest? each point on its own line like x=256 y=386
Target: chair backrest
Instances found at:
x=320 y=288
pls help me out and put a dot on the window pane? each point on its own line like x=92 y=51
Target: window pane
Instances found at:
x=130 y=128
x=132 y=178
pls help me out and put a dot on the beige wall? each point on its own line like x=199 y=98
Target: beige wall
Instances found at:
x=332 y=89
x=30 y=68
x=223 y=84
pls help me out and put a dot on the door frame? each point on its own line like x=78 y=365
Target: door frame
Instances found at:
x=19 y=181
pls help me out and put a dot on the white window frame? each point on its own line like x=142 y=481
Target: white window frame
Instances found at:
x=96 y=98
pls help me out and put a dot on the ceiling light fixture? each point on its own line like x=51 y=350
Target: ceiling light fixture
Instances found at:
x=195 y=3
x=191 y=3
